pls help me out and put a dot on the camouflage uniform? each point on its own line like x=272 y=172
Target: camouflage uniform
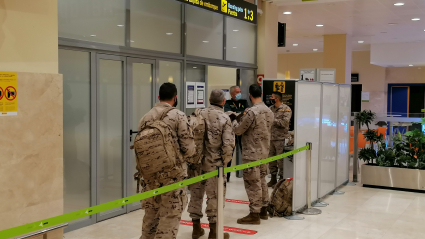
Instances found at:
x=219 y=145
x=280 y=128
x=163 y=212
x=255 y=127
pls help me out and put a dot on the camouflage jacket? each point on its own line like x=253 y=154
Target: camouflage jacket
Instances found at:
x=282 y=120
x=255 y=127
x=181 y=133
x=220 y=139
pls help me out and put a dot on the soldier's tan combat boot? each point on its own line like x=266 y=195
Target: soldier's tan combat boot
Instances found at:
x=213 y=232
x=264 y=215
x=272 y=182
x=198 y=231
x=251 y=219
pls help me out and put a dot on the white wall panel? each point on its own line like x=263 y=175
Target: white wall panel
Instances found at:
x=328 y=134
x=344 y=123
x=307 y=129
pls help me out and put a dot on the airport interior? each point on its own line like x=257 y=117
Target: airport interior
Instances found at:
x=313 y=111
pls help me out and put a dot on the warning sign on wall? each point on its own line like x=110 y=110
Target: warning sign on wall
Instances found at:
x=8 y=94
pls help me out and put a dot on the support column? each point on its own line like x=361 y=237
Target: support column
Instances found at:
x=337 y=55
x=267 y=50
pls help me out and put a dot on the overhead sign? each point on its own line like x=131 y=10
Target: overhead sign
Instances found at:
x=8 y=94
x=239 y=9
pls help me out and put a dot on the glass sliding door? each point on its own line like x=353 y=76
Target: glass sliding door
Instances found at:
x=111 y=116
x=140 y=75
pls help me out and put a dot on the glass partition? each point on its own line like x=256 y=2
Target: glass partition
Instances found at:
x=241 y=45
x=75 y=67
x=156 y=25
x=92 y=20
x=204 y=33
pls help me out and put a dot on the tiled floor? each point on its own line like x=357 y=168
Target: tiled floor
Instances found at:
x=361 y=213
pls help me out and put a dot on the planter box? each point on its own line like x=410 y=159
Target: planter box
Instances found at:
x=393 y=177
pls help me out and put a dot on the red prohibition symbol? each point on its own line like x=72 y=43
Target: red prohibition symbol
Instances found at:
x=10 y=93
x=1 y=93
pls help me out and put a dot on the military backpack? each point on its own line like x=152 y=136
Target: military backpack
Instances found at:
x=154 y=146
x=281 y=199
x=198 y=126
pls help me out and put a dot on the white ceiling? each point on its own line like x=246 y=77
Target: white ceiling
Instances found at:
x=366 y=20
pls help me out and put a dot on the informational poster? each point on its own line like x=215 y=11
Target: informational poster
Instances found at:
x=287 y=88
x=227 y=94
x=365 y=96
x=8 y=93
x=190 y=94
x=327 y=75
x=200 y=94
x=308 y=74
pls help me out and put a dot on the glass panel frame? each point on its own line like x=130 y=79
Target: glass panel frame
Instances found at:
x=122 y=210
x=130 y=156
x=90 y=219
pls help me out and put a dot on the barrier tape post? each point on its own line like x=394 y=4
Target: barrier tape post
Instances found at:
x=50 y=222
x=310 y=210
x=220 y=202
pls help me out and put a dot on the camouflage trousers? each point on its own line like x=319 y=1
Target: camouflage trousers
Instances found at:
x=256 y=187
x=276 y=148
x=163 y=212
x=197 y=193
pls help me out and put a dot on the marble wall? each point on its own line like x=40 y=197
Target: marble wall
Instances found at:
x=31 y=152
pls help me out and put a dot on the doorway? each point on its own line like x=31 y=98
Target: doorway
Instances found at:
x=356 y=98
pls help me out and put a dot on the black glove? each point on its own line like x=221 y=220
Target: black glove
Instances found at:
x=232 y=117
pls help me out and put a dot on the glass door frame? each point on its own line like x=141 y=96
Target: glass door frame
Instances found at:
x=129 y=95
x=122 y=59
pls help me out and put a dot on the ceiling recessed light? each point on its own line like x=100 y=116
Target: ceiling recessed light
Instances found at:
x=416 y=19
x=392 y=24
x=410 y=65
x=195 y=67
x=319 y=25
x=399 y=4
x=205 y=41
x=120 y=25
x=235 y=47
x=360 y=42
x=287 y=13
x=169 y=33
x=315 y=50
x=295 y=44
x=92 y=35
x=131 y=41
x=236 y=30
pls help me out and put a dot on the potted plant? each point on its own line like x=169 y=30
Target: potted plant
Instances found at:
x=402 y=166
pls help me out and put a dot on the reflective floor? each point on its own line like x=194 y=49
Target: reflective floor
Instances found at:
x=359 y=213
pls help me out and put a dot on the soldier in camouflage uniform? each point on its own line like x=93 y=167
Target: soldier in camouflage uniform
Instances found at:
x=219 y=144
x=255 y=126
x=280 y=128
x=163 y=212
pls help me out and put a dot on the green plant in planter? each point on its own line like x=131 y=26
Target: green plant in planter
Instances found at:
x=386 y=157
x=405 y=154
x=367 y=155
x=365 y=117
